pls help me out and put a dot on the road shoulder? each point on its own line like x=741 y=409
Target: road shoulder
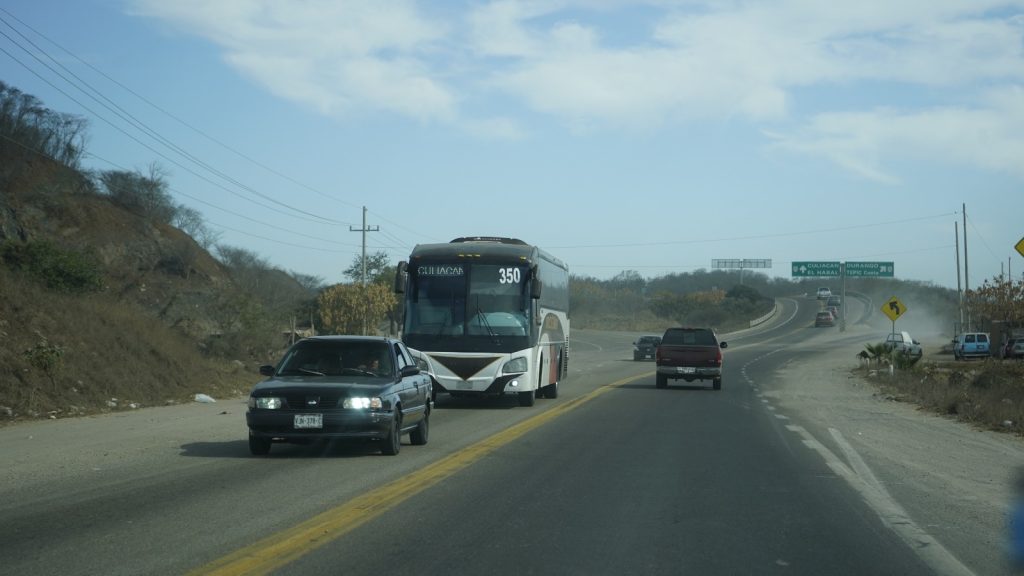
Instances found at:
x=953 y=479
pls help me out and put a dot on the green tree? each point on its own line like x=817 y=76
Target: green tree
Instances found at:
x=378 y=268
x=46 y=357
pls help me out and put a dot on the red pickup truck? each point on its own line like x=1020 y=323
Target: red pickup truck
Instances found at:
x=690 y=354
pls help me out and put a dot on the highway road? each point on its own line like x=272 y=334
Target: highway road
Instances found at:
x=613 y=477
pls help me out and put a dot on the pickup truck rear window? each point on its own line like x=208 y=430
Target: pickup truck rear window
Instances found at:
x=695 y=337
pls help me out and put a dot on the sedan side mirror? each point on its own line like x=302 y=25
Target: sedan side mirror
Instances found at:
x=724 y=345
x=266 y=370
x=409 y=371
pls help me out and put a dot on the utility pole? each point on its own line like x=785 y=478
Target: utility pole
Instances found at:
x=959 y=291
x=967 y=283
x=364 y=229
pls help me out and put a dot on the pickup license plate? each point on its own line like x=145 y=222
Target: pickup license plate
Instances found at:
x=686 y=370
x=463 y=385
x=309 y=421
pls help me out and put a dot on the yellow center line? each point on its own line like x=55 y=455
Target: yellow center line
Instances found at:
x=288 y=545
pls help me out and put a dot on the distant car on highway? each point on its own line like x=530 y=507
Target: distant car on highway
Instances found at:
x=971 y=345
x=824 y=293
x=834 y=301
x=824 y=318
x=645 y=347
x=834 y=310
x=341 y=387
x=903 y=343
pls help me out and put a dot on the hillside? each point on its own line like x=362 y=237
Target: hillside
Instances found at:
x=101 y=309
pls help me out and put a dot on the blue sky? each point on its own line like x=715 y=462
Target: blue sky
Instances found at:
x=649 y=136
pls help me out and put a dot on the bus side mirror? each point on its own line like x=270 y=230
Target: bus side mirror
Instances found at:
x=535 y=288
x=400 y=278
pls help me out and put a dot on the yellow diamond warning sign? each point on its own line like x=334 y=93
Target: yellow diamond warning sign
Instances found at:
x=893 y=308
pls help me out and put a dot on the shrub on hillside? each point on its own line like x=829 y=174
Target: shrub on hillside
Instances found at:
x=60 y=269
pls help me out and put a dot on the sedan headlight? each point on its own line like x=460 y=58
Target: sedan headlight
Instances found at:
x=362 y=403
x=265 y=402
x=515 y=366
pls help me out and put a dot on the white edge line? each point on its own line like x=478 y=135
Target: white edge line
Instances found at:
x=861 y=479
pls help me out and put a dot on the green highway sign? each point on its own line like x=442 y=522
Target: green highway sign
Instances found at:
x=815 y=269
x=875 y=269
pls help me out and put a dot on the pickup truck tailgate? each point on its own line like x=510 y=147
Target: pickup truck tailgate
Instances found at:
x=697 y=356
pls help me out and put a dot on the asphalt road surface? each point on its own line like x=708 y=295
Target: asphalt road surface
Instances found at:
x=613 y=477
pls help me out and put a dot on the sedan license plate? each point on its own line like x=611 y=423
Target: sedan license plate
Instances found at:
x=309 y=421
x=686 y=369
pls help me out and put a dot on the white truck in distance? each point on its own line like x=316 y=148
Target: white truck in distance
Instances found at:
x=903 y=343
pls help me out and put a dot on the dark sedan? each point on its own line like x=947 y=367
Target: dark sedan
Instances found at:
x=341 y=387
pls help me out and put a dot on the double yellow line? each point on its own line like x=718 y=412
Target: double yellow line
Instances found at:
x=282 y=548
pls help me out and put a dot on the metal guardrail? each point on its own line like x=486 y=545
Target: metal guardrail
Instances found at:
x=766 y=317
x=868 y=306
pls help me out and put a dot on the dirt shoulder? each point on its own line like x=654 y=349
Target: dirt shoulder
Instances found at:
x=953 y=479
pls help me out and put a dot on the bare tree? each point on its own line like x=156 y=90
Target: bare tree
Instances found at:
x=28 y=126
x=141 y=194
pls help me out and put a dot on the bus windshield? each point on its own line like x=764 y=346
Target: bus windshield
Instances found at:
x=468 y=308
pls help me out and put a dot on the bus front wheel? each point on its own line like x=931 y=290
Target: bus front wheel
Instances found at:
x=526 y=398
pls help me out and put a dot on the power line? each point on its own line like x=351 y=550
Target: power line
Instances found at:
x=754 y=237
x=126 y=117
x=983 y=240
x=177 y=118
x=234 y=212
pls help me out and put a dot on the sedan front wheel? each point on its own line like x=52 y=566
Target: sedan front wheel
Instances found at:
x=419 y=436
x=392 y=443
x=259 y=446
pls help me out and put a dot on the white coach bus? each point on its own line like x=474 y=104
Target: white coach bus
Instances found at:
x=487 y=316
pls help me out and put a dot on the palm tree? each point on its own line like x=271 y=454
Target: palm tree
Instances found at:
x=875 y=352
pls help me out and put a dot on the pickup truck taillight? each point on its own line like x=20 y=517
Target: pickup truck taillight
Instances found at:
x=657 y=354
x=718 y=357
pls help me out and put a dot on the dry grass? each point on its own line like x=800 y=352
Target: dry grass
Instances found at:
x=114 y=356
x=986 y=393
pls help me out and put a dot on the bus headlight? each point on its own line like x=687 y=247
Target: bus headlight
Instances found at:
x=515 y=366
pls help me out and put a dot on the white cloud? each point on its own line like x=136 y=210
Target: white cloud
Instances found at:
x=335 y=55
x=685 y=60
x=496 y=129
x=987 y=137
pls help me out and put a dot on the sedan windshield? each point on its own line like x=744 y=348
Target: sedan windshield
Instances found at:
x=337 y=358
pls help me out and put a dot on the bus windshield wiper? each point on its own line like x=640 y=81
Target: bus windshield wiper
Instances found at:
x=483 y=320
